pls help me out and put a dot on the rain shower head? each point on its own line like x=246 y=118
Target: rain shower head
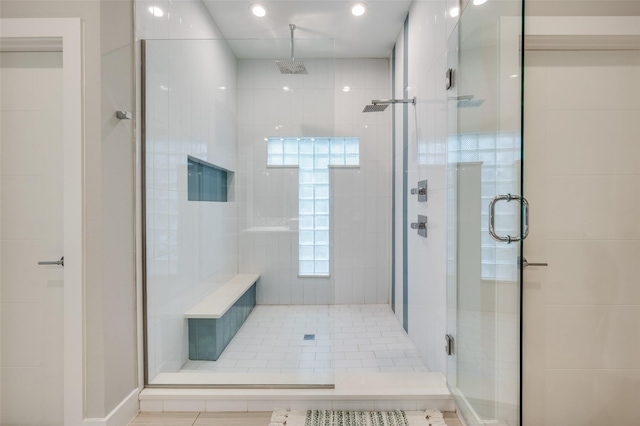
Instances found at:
x=375 y=108
x=292 y=66
x=382 y=104
x=467 y=101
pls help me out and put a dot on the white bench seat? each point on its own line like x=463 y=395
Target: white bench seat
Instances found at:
x=217 y=303
x=217 y=318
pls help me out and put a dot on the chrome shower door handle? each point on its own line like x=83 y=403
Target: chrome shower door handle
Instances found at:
x=492 y=218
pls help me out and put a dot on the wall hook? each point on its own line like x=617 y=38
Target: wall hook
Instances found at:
x=123 y=115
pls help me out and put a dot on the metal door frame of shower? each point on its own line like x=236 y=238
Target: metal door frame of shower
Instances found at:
x=512 y=21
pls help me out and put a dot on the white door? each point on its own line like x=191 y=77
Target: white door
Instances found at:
x=582 y=177
x=31 y=230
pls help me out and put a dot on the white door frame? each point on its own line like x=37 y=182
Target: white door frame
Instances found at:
x=69 y=31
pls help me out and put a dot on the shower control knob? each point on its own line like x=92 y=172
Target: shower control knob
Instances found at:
x=420 y=225
x=421 y=190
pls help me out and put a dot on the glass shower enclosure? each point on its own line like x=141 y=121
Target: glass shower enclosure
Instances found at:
x=487 y=212
x=237 y=159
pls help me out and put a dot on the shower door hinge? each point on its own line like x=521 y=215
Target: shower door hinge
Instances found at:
x=449 y=347
x=449 y=79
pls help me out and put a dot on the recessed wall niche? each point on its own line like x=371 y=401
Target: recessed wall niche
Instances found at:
x=207 y=182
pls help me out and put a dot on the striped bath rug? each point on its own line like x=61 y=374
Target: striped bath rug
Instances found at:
x=356 y=418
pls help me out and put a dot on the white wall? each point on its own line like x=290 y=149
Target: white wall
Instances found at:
x=183 y=19
x=581 y=313
x=360 y=197
x=31 y=230
x=427 y=133
x=108 y=193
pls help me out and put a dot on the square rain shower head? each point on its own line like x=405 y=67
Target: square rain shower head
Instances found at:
x=469 y=103
x=291 y=67
x=375 y=108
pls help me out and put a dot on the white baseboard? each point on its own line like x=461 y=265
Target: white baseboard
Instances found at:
x=121 y=415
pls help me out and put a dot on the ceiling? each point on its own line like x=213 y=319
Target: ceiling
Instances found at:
x=334 y=30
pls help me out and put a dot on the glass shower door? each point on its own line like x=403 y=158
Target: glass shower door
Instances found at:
x=487 y=207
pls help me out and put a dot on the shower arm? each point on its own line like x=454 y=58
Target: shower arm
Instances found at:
x=292 y=27
x=394 y=101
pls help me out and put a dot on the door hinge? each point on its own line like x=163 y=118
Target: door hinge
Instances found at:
x=449 y=347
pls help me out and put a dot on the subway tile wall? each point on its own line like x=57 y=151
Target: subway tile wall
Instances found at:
x=326 y=102
x=427 y=147
x=191 y=246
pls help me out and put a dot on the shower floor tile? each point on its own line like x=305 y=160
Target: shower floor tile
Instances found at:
x=348 y=339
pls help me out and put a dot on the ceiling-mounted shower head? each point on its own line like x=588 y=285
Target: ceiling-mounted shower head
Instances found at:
x=292 y=66
x=375 y=108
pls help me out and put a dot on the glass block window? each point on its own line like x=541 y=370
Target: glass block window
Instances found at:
x=499 y=154
x=313 y=156
x=206 y=182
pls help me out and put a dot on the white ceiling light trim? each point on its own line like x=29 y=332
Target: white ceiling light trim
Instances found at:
x=358 y=9
x=258 y=10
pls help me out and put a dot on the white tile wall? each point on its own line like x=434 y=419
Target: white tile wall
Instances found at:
x=427 y=133
x=361 y=206
x=185 y=19
x=191 y=246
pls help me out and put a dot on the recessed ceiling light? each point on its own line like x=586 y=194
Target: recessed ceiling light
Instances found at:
x=258 y=10
x=358 y=9
x=156 y=11
x=479 y=2
x=455 y=11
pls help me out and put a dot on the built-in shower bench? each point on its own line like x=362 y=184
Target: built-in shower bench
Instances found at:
x=216 y=319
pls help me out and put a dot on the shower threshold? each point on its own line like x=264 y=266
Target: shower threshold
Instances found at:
x=362 y=391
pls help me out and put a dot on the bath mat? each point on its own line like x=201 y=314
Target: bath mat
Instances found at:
x=356 y=418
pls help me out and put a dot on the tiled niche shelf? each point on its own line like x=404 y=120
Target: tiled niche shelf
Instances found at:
x=207 y=182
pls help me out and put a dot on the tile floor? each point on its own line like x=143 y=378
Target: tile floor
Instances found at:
x=346 y=339
x=226 y=419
